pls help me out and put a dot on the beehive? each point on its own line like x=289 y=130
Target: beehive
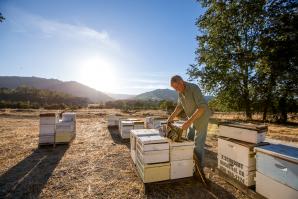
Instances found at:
x=138 y=133
x=237 y=159
x=244 y=132
x=277 y=167
x=125 y=128
x=154 y=122
x=153 y=158
x=47 y=125
x=181 y=157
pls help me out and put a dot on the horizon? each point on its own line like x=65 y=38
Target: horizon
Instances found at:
x=114 y=47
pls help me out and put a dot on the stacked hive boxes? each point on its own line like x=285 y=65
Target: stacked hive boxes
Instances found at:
x=155 y=122
x=139 y=133
x=113 y=120
x=277 y=171
x=236 y=156
x=126 y=125
x=152 y=160
x=181 y=157
x=66 y=128
x=47 y=125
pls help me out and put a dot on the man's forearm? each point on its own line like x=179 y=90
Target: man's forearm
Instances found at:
x=176 y=112
x=197 y=114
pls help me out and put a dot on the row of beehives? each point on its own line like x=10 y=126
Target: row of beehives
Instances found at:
x=243 y=155
x=126 y=124
x=156 y=158
x=54 y=130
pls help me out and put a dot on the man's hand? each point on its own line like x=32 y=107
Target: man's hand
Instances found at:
x=186 y=125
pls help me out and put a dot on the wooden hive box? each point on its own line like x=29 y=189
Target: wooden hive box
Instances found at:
x=48 y=119
x=237 y=159
x=69 y=117
x=273 y=189
x=153 y=172
x=126 y=126
x=244 y=132
x=64 y=137
x=65 y=127
x=153 y=149
x=138 y=124
x=134 y=133
x=279 y=163
x=182 y=168
x=153 y=158
x=181 y=150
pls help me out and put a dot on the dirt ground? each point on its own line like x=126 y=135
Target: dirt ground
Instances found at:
x=97 y=163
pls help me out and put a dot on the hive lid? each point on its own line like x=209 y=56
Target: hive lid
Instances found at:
x=183 y=143
x=47 y=114
x=255 y=127
x=243 y=143
x=138 y=122
x=153 y=139
x=138 y=132
x=288 y=153
x=126 y=123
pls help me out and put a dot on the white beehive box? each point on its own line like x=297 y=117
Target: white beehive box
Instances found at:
x=113 y=120
x=244 y=132
x=47 y=125
x=152 y=149
x=48 y=118
x=125 y=119
x=126 y=127
x=280 y=163
x=237 y=159
x=138 y=133
x=68 y=117
x=152 y=158
x=153 y=172
x=65 y=126
x=238 y=151
x=236 y=170
x=181 y=150
x=138 y=125
x=64 y=137
x=154 y=122
x=273 y=189
x=182 y=168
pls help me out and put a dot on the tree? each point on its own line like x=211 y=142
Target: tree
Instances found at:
x=1 y=17
x=277 y=70
x=228 y=50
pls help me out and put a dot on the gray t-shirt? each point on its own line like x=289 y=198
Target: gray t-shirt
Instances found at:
x=190 y=100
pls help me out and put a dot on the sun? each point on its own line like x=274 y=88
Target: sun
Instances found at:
x=98 y=74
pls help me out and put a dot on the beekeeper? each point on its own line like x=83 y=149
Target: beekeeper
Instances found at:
x=191 y=100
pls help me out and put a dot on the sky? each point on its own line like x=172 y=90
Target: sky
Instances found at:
x=114 y=46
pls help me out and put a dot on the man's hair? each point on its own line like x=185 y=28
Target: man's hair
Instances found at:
x=176 y=78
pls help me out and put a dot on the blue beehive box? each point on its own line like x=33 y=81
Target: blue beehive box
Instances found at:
x=279 y=162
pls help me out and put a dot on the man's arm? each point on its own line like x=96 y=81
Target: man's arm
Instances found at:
x=176 y=112
x=197 y=114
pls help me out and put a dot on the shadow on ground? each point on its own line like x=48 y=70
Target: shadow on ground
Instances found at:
x=28 y=177
x=115 y=134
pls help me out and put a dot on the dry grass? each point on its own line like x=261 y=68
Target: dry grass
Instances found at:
x=97 y=164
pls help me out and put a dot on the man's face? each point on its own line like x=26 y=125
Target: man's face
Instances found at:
x=178 y=86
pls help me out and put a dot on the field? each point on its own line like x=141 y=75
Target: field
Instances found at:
x=97 y=163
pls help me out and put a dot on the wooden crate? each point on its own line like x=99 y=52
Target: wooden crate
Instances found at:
x=138 y=125
x=47 y=129
x=64 y=137
x=153 y=172
x=280 y=163
x=273 y=189
x=154 y=122
x=244 y=132
x=239 y=151
x=48 y=119
x=126 y=127
x=182 y=168
x=152 y=149
x=65 y=126
x=138 y=133
x=181 y=150
x=68 y=117
x=236 y=170
x=47 y=139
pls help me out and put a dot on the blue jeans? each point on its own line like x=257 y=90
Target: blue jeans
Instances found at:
x=198 y=135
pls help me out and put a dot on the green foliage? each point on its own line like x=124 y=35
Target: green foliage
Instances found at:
x=27 y=97
x=247 y=55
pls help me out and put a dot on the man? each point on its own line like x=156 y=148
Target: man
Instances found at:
x=191 y=100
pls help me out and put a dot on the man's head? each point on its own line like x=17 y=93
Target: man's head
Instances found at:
x=177 y=83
